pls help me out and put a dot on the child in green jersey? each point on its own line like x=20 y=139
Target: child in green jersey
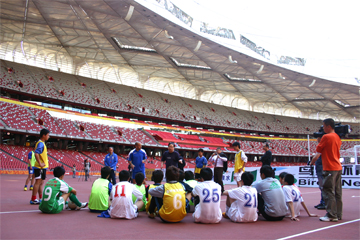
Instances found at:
x=140 y=185
x=100 y=192
x=56 y=192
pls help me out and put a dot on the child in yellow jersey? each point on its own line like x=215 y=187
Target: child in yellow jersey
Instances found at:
x=157 y=177
x=172 y=208
x=40 y=166
x=240 y=161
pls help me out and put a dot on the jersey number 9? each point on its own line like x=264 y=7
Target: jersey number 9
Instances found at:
x=47 y=193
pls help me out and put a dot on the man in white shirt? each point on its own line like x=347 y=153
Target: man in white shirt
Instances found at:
x=219 y=159
x=241 y=202
x=293 y=198
x=208 y=210
x=121 y=196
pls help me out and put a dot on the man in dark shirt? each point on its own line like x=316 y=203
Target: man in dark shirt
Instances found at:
x=171 y=157
x=319 y=172
x=266 y=159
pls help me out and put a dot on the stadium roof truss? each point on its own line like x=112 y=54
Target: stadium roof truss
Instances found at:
x=127 y=43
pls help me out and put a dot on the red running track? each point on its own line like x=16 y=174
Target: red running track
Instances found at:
x=20 y=220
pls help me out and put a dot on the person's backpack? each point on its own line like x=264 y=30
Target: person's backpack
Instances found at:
x=225 y=164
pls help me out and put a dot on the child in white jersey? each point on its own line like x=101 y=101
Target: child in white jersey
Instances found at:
x=293 y=198
x=241 y=202
x=122 y=205
x=208 y=210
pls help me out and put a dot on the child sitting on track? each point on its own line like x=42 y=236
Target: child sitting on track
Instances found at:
x=190 y=180
x=293 y=198
x=241 y=202
x=188 y=189
x=208 y=210
x=140 y=185
x=100 y=192
x=56 y=192
x=157 y=177
x=281 y=177
x=122 y=205
x=172 y=196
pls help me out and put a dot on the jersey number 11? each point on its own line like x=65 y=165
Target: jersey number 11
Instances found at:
x=122 y=191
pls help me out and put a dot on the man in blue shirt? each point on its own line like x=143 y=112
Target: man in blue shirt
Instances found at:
x=111 y=161
x=200 y=163
x=137 y=158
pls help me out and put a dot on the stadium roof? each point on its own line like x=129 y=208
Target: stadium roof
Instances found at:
x=127 y=43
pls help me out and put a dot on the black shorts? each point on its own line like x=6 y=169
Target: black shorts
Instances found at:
x=40 y=173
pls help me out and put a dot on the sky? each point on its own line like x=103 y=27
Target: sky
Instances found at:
x=326 y=33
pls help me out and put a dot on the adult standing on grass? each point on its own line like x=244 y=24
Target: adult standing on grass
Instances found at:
x=329 y=150
x=111 y=160
x=40 y=165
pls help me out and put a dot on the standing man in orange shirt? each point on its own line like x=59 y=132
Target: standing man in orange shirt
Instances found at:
x=329 y=149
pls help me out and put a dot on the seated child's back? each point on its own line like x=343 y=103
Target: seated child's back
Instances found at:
x=56 y=192
x=244 y=201
x=121 y=195
x=139 y=180
x=100 y=191
x=157 y=177
x=173 y=195
x=209 y=192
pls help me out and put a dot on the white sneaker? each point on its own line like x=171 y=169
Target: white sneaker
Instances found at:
x=327 y=219
x=36 y=201
x=83 y=205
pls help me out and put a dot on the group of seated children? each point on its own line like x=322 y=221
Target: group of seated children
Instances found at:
x=172 y=201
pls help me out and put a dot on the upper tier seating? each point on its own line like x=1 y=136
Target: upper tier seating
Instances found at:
x=91 y=92
x=18 y=117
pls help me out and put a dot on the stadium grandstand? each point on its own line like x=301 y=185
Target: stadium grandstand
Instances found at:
x=112 y=73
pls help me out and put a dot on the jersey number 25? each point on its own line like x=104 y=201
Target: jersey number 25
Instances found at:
x=215 y=196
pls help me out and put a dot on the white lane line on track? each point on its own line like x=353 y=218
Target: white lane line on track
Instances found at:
x=28 y=211
x=310 y=192
x=20 y=211
x=355 y=196
x=319 y=229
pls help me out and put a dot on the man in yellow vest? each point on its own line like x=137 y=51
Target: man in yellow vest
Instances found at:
x=40 y=165
x=173 y=207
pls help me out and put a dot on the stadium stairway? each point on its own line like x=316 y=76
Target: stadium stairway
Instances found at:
x=59 y=161
x=150 y=136
x=9 y=154
x=93 y=159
